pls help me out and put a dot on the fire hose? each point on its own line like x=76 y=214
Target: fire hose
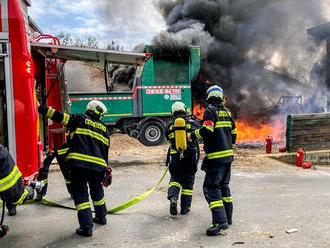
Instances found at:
x=111 y=211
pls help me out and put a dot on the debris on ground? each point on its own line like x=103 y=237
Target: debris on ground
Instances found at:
x=256 y=235
x=291 y=230
x=238 y=243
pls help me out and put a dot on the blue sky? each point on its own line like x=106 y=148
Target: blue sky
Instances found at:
x=129 y=22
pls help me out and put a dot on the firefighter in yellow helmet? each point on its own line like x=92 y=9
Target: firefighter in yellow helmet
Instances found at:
x=219 y=135
x=183 y=160
x=87 y=159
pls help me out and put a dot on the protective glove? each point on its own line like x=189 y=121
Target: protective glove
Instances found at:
x=43 y=109
x=107 y=179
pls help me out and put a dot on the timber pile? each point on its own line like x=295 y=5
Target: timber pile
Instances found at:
x=311 y=132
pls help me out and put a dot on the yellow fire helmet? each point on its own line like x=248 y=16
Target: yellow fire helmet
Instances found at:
x=97 y=107
x=179 y=107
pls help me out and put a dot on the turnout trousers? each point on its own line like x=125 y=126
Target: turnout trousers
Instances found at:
x=80 y=180
x=182 y=177
x=217 y=192
x=44 y=171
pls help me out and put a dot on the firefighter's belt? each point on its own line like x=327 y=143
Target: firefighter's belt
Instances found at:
x=111 y=211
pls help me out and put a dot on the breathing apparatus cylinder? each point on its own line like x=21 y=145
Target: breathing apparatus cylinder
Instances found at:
x=180 y=135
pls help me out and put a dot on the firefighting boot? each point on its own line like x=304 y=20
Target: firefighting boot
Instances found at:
x=11 y=209
x=173 y=205
x=99 y=220
x=184 y=211
x=229 y=211
x=215 y=229
x=185 y=201
x=84 y=232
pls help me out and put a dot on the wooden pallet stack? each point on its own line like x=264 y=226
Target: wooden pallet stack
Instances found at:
x=311 y=132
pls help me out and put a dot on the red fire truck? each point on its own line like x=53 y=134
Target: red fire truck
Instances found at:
x=31 y=69
x=25 y=76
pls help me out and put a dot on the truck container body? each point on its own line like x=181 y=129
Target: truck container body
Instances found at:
x=144 y=111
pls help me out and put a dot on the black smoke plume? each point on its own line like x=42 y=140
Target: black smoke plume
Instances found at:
x=257 y=50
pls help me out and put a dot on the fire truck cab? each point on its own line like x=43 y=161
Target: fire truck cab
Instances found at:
x=25 y=76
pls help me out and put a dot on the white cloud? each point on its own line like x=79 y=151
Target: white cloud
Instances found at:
x=124 y=20
x=38 y=8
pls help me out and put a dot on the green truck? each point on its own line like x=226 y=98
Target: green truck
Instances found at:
x=142 y=109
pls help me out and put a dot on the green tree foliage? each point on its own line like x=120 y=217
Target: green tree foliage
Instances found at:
x=68 y=39
x=89 y=41
x=114 y=45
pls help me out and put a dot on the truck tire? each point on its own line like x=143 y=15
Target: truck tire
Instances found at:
x=152 y=133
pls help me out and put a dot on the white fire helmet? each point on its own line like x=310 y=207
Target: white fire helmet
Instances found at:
x=178 y=107
x=97 y=107
x=214 y=91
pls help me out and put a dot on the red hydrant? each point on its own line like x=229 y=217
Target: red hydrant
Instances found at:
x=269 y=141
x=300 y=157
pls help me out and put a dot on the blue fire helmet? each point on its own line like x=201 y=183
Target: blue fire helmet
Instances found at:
x=214 y=91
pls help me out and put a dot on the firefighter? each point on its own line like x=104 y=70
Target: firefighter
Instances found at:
x=60 y=155
x=87 y=159
x=219 y=135
x=183 y=164
x=12 y=190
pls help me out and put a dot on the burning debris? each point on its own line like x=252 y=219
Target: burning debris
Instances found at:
x=253 y=135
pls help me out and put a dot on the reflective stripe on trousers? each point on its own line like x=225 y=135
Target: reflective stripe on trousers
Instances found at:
x=83 y=206
x=176 y=184
x=187 y=192
x=215 y=204
x=99 y=203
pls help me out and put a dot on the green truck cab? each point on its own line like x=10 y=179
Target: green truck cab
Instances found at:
x=142 y=110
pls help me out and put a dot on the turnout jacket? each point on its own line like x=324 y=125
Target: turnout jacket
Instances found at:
x=218 y=133
x=89 y=140
x=191 y=126
x=12 y=189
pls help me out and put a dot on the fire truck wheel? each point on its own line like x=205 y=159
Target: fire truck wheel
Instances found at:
x=152 y=133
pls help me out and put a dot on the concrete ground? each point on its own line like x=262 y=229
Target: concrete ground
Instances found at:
x=266 y=204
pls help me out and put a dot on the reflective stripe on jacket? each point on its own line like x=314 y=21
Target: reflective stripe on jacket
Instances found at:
x=11 y=186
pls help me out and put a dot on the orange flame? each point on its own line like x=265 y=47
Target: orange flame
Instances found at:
x=249 y=133
x=198 y=111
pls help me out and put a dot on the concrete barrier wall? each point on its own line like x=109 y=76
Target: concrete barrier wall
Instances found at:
x=311 y=132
